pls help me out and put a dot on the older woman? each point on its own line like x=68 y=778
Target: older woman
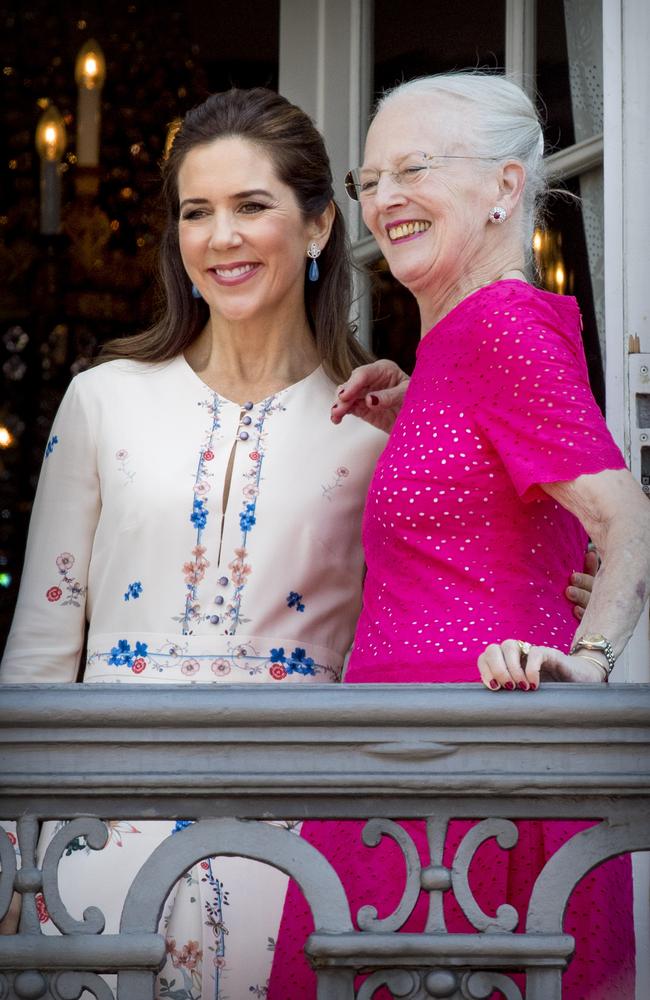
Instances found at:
x=197 y=507
x=499 y=461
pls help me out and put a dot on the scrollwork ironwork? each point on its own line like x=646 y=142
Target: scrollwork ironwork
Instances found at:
x=70 y=986
x=372 y=833
x=481 y=985
x=8 y=869
x=402 y=983
x=96 y=835
x=506 y=834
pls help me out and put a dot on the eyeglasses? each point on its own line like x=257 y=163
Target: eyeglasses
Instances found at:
x=411 y=170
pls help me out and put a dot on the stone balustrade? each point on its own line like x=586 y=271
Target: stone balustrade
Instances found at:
x=226 y=756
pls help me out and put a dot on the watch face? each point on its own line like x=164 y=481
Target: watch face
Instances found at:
x=596 y=638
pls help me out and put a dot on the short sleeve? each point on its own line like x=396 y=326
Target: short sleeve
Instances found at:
x=47 y=634
x=533 y=399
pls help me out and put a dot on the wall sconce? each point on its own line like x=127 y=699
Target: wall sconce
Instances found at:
x=50 y=144
x=89 y=74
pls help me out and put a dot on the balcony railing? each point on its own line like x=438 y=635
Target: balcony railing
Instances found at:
x=226 y=755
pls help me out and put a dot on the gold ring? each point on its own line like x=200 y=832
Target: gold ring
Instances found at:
x=524 y=648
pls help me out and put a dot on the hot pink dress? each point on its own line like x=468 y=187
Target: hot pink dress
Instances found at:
x=464 y=548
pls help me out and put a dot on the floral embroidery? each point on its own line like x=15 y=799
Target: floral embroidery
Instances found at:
x=297 y=663
x=240 y=569
x=239 y=658
x=199 y=515
x=341 y=473
x=194 y=570
x=247 y=517
x=294 y=600
x=187 y=957
x=41 y=909
x=133 y=591
x=75 y=591
x=49 y=448
x=190 y=667
x=122 y=655
x=122 y=457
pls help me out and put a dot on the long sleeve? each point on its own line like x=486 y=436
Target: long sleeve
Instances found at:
x=46 y=638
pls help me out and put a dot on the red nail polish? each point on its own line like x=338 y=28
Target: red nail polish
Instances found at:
x=494 y=684
x=509 y=686
x=522 y=686
x=533 y=687
x=374 y=400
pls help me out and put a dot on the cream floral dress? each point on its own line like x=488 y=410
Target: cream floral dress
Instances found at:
x=132 y=531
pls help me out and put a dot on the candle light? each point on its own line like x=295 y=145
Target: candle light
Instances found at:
x=90 y=73
x=50 y=143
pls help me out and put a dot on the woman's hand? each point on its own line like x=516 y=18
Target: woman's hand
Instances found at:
x=513 y=664
x=579 y=590
x=373 y=392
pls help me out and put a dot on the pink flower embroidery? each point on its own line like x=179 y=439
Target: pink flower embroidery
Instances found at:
x=277 y=672
x=54 y=594
x=342 y=471
x=208 y=455
x=254 y=455
x=138 y=665
x=121 y=455
x=220 y=667
x=41 y=909
x=65 y=561
x=190 y=667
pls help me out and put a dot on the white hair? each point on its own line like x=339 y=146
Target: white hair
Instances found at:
x=504 y=125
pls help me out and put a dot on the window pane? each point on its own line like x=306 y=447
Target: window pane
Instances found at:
x=417 y=37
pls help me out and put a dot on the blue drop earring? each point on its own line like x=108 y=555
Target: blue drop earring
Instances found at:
x=313 y=251
x=196 y=293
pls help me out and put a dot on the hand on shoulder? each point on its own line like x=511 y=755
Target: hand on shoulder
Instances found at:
x=374 y=393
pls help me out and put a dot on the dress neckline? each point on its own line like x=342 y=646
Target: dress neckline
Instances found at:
x=190 y=373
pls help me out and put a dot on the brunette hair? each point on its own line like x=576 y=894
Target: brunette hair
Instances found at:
x=298 y=153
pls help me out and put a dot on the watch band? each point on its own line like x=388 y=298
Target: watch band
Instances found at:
x=599 y=644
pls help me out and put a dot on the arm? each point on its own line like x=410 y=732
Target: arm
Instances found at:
x=616 y=514
x=46 y=638
x=374 y=393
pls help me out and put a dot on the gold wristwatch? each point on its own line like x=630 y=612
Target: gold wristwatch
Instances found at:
x=600 y=644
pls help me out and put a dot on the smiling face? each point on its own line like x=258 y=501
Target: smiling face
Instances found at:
x=433 y=234
x=242 y=237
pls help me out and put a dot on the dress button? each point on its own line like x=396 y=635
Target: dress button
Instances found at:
x=248 y=406
x=214 y=619
x=243 y=436
x=218 y=600
x=246 y=420
x=223 y=580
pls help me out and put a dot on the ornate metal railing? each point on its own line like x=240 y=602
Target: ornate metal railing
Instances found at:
x=213 y=753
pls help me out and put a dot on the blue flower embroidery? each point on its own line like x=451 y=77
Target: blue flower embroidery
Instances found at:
x=294 y=600
x=50 y=445
x=277 y=655
x=247 y=517
x=123 y=656
x=134 y=590
x=181 y=824
x=300 y=663
x=199 y=514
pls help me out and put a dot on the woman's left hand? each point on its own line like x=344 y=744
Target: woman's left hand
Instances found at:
x=513 y=664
